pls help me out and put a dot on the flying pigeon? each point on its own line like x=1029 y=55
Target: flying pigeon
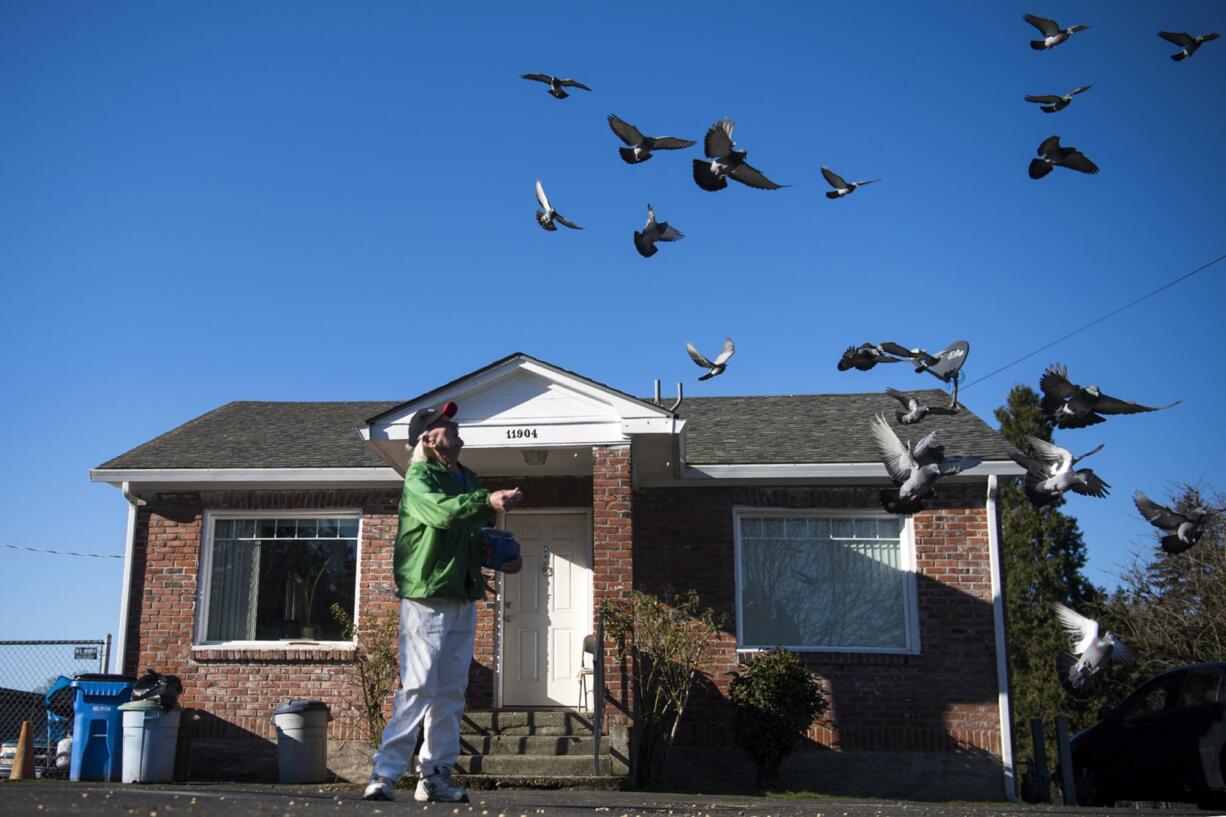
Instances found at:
x=1050 y=474
x=1189 y=43
x=546 y=216
x=921 y=359
x=715 y=367
x=653 y=231
x=1052 y=155
x=1053 y=35
x=841 y=187
x=1053 y=102
x=915 y=410
x=915 y=472
x=1073 y=406
x=1081 y=672
x=726 y=162
x=556 y=84
x=864 y=357
x=1185 y=527
x=641 y=146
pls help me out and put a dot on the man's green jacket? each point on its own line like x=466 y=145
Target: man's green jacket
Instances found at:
x=438 y=544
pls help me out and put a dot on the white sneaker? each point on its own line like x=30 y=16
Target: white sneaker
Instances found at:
x=437 y=787
x=379 y=788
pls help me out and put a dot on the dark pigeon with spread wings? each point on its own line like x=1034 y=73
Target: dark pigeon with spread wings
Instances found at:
x=556 y=84
x=546 y=216
x=653 y=231
x=640 y=146
x=1054 y=102
x=714 y=367
x=1184 y=527
x=841 y=186
x=727 y=162
x=1073 y=406
x=1187 y=42
x=1053 y=35
x=1051 y=154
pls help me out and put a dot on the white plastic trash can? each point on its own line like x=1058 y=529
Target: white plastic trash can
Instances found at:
x=150 y=735
x=302 y=741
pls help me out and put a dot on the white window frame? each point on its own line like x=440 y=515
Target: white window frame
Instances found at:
x=906 y=543
x=206 y=576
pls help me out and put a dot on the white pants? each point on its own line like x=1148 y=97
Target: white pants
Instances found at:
x=436 y=647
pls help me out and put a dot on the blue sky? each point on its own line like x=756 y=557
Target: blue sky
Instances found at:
x=320 y=201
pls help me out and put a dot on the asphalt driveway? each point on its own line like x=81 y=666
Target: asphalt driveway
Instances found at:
x=43 y=798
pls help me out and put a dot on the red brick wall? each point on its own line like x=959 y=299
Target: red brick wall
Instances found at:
x=944 y=698
x=613 y=561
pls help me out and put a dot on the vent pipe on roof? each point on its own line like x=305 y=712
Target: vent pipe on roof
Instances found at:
x=656 y=399
x=679 y=397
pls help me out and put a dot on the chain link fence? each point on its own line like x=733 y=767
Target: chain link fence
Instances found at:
x=28 y=669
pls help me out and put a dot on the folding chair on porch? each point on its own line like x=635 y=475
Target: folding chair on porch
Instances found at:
x=586 y=669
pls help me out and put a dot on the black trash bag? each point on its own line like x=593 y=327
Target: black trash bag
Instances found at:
x=165 y=689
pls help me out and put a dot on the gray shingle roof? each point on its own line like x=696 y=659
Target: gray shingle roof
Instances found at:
x=814 y=428
x=819 y=428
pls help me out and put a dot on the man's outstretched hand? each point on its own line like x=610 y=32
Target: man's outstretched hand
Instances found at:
x=506 y=500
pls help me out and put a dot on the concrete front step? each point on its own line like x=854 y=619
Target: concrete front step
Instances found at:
x=552 y=745
x=526 y=722
x=485 y=782
x=531 y=765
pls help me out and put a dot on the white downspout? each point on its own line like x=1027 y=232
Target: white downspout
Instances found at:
x=121 y=640
x=1002 y=664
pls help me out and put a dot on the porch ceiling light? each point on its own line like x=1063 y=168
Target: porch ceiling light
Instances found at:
x=535 y=456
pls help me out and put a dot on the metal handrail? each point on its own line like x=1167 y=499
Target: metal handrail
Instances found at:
x=598 y=692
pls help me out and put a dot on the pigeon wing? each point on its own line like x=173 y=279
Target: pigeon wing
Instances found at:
x=705 y=178
x=573 y=83
x=1113 y=405
x=908 y=402
x=1093 y=486
x=1082 y=631
x=540 y=197
x=671 y=143
x=644 y=245
x=836 y=181
x=724 y=354
x=1049 y=146
x=1082 y=89
x=896 y=349
x=751 y=176
x=667 y=232
x=897 y=459
x=1050 y=452
x=1047 y=99
x=956 y=465
x=538 y=77
x=1048 y=27
x=1160 y=516
x=718 y=141
x=697 y=357
x=625 y=131
x=925 y=445
x=1056 y=387
x=563 y=220
x=1077 y=160
x=1177 y=37
x=1120 y=654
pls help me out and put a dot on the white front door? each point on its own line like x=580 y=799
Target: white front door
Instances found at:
x=546 y=609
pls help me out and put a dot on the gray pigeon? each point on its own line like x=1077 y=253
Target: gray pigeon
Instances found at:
x=1054 y=102
x=556 y=84
x=653 y=231
x=841 y=186
x=1050 y=474
x=546 y=216
x=1053 y=35
x=915 y=410
x=714 y=367
x=1186 y=41
x=1071 y=406
x=726 y=162
x=864 y=357
x=1081 y=672
x=915 y=471
x=1052 y=155
x=1185 y=527
x=640 y=146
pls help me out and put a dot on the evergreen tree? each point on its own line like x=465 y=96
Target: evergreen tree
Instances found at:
x=1044 y=556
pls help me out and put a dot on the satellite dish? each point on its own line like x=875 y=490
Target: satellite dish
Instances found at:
x=950 y=360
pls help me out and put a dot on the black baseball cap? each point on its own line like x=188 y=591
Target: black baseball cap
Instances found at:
x=428 y=418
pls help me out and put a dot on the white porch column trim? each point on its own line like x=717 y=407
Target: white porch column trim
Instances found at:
x=1004 y=709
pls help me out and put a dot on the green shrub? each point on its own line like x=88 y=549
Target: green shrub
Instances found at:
x=776 y=700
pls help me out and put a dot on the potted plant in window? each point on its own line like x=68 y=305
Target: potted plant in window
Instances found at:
x=308 y=601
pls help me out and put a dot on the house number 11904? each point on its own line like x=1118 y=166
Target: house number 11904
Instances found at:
x=521 y=433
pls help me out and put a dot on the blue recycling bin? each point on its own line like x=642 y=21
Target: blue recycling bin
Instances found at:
x=97 y=727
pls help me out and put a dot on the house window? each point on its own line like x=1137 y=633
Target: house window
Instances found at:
x=275 y=578
x=823 y=581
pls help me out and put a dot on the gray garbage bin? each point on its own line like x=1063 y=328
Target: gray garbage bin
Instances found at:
x=302 y=741
x=150 y=735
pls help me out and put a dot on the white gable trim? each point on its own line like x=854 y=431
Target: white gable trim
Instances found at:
x=183 y=477
x=824 y=470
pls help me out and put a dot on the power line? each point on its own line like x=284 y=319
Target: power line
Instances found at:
x=61 y=552
x=1093 y=323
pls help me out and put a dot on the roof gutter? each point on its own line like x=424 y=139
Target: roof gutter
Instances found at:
x=1002 y=662
x=121 y=640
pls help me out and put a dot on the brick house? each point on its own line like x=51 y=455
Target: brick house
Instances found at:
x=246 y=524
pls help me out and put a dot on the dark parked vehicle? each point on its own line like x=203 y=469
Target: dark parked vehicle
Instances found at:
x=1165 y=742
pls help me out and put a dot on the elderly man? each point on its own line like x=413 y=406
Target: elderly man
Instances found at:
x=438 y=578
